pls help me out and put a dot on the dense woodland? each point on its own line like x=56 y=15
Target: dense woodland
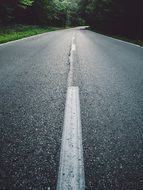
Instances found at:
x=34 y=12
x=119 y=17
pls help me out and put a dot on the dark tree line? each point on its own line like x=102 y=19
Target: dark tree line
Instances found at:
x=40 y=12
x=119 y=17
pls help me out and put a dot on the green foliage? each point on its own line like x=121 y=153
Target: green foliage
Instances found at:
x=9 y=33
x=42 y=12
x=122 y=17
x=25 y=3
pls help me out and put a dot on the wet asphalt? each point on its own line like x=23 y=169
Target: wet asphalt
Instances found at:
x=33 y=86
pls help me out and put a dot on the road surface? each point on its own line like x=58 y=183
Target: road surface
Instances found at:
x=35 y=76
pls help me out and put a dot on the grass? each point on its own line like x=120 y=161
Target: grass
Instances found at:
x=10 y=33
x=138 y=42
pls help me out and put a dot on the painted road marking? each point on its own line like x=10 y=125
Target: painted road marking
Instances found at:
x=129 y=43
x=71 y=170
x=25 y=38
x=73 y=47
x=71 y=60
x=33 y=36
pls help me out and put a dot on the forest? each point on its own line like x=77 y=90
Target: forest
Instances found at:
x=117 y=17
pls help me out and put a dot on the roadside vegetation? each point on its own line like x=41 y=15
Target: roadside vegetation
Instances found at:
x=119 y=18
x=123 y=38
x=23 y=18
x=14 y=32
x=122 y=18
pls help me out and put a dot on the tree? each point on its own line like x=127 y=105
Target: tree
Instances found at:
x=121 y=17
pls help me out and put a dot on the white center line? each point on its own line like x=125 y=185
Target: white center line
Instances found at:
x=73 y=47
x=71 y=60
x=73 y=38
x=71 y=170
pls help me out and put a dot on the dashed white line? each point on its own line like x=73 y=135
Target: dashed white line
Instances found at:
x=73 y=47
x=71 y=60
x=73 y=38
x=71 y=170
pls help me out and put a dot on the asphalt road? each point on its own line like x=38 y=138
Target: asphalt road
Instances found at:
x=33 y=87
